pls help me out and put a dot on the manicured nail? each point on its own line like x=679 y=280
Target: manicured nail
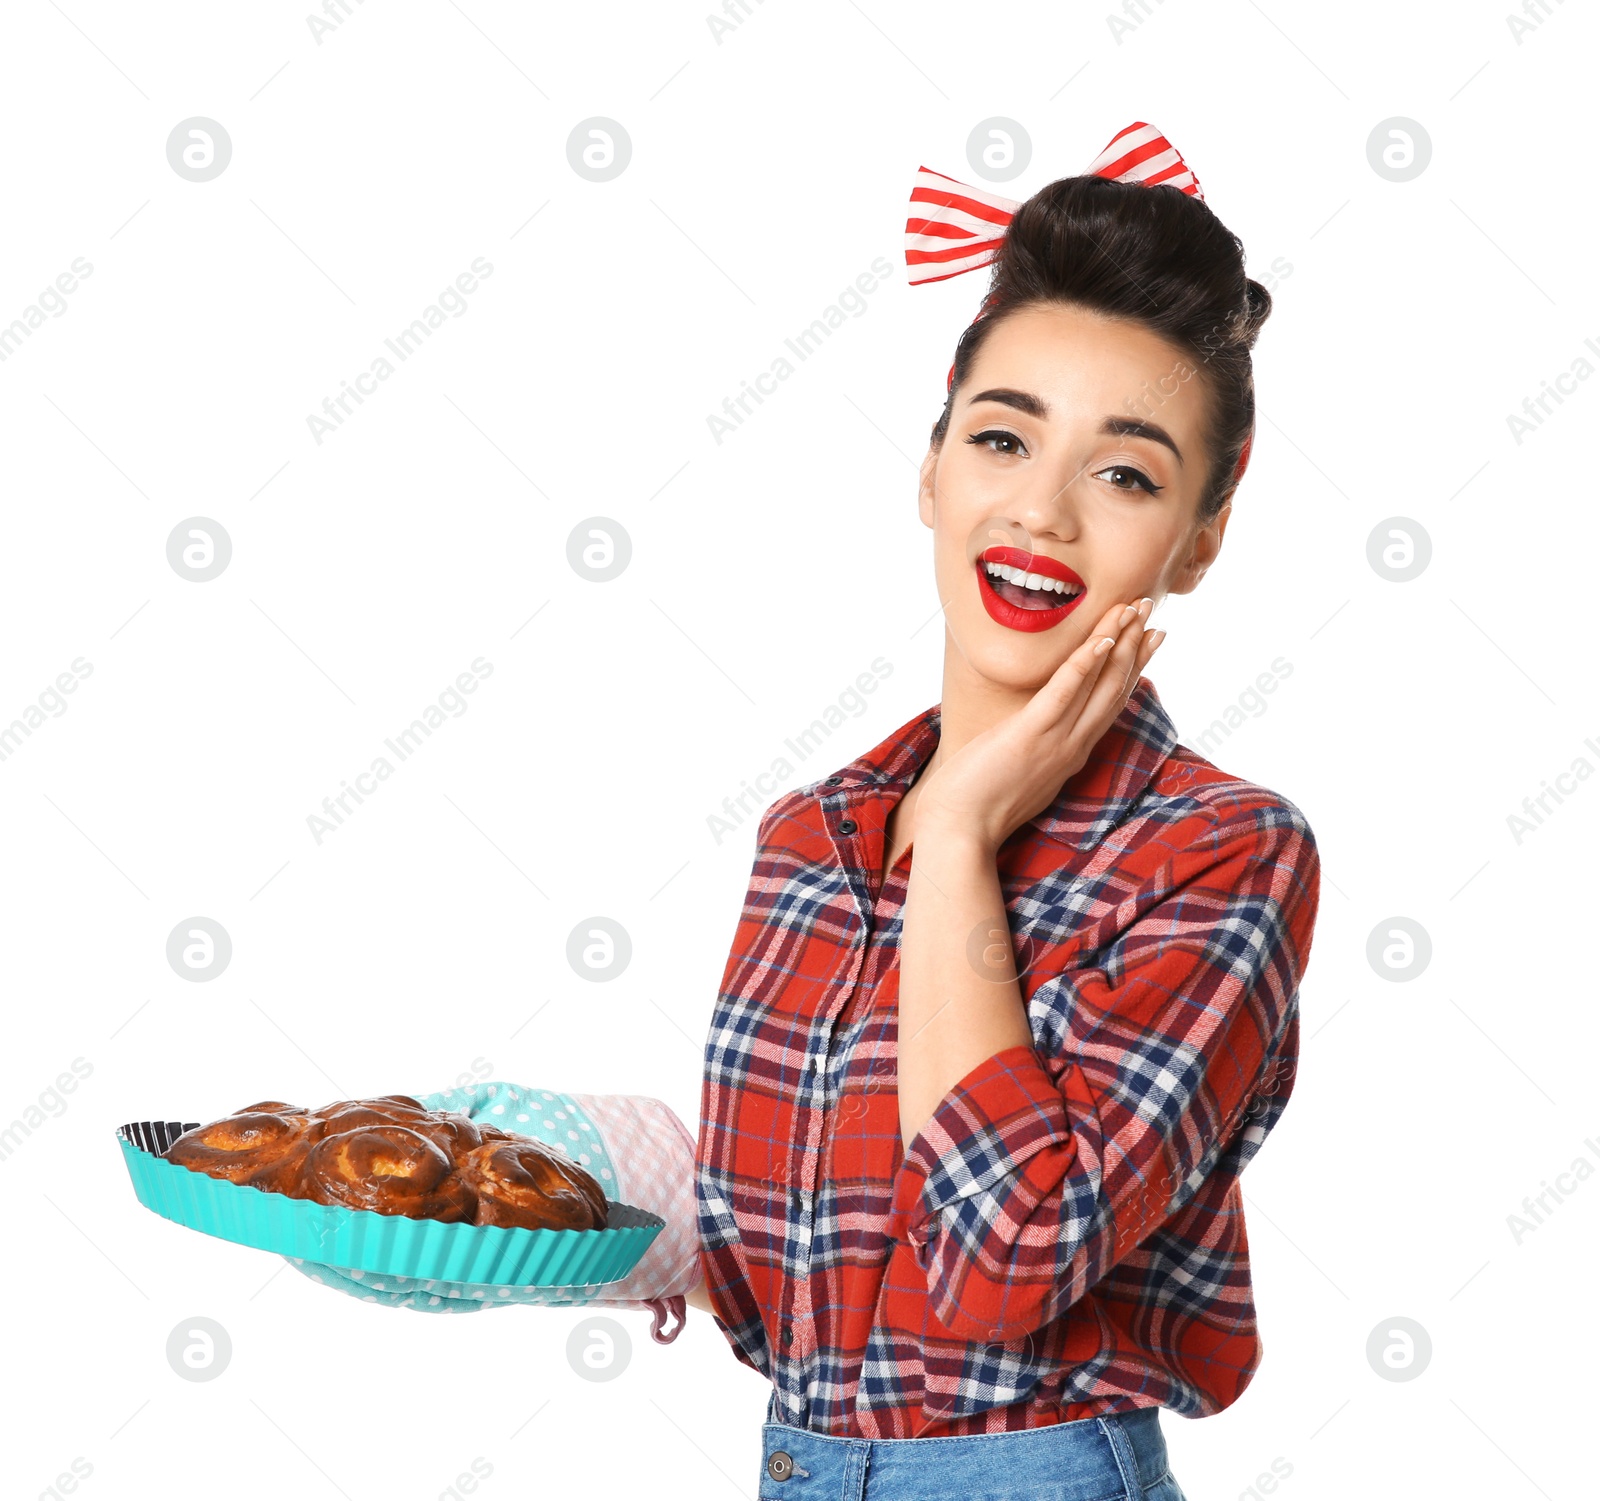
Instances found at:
x=1105 y=645
x=1128 y=612
x=1155 y=644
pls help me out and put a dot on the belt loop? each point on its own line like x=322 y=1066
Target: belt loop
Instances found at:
x=1122 y=1451
x=857 y=1459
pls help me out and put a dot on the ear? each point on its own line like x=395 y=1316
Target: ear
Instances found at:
x=1203 y=550
x=925 y=486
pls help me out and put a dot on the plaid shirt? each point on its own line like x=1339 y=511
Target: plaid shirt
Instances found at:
x=1065 y=1236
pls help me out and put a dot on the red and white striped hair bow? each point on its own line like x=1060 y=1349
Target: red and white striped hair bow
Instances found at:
x=954 y=227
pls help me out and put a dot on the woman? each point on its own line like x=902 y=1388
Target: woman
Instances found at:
x=1014 y=995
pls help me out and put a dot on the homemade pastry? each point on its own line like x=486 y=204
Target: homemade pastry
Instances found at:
x=392 y=1155
x=266 y=1140
x=390 y=1169
x=515 y=1178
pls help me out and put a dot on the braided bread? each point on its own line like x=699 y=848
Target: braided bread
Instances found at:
x=392 y=1155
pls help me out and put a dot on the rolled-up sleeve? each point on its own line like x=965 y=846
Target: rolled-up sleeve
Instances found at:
x=1039 y=1172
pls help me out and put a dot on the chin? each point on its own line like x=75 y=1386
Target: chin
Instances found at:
x=1017 y=662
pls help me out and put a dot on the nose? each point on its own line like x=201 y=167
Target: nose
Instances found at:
x=1051 y=506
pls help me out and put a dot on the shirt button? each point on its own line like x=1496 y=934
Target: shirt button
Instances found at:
x=779 y=1465
x=786 y=1335
x=848 y=826
x=833 y=781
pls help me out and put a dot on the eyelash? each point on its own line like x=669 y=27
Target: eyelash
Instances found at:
x=994 y=432
x=1141 y=482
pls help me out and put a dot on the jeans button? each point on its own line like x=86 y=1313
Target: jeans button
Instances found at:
x=779 y=1465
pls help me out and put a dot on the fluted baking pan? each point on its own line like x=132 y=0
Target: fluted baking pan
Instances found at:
x=361 y=1240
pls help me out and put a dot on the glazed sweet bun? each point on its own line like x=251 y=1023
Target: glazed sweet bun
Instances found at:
x=251 y=1143
x=392 y=1155
x=389 y=1169
x=518 y=1179
x=451 y=1131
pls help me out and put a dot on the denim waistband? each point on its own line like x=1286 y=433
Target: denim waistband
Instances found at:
x=1118 y=1455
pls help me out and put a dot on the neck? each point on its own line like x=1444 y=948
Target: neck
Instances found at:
x=969 y=703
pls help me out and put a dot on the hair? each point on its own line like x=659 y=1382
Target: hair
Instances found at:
x=1153 y=255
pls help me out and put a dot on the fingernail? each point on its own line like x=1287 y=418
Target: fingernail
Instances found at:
x=1128 y=612
x=1105 y=645
x=1155 y=645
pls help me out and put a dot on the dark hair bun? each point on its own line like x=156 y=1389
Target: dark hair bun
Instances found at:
x=1259 y=308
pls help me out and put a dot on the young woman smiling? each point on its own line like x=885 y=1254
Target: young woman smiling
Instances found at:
x=1014 y=995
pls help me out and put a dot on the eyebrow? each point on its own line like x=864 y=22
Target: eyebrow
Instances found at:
x=1035 y=406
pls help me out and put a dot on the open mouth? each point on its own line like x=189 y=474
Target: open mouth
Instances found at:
x=1026 y=591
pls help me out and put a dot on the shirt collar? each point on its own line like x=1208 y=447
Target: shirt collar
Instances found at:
x=1090 y=804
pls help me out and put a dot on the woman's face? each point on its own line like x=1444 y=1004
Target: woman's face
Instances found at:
x=1075 y=451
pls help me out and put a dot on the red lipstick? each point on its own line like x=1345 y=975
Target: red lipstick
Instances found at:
x=1016 y=617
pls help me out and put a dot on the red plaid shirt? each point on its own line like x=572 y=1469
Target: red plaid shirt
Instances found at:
x=1065 y=1236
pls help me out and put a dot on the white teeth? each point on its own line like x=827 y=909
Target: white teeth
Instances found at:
x=1031 y=580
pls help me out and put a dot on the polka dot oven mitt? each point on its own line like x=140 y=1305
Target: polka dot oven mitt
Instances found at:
x=638 y=1151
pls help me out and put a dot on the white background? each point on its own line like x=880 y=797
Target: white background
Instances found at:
x=413 y=944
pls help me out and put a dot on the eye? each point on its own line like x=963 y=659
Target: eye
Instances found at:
x=1140 y=480
x=991 y=435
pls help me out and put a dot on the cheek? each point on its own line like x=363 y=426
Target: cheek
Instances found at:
x=1134 y=535
x=971 y=480
x=950 y=563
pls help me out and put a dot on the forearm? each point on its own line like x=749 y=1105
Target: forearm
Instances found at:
x=960 y=1001
x=699 y=1297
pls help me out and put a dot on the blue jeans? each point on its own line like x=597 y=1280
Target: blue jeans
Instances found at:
x=1119 y=1457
